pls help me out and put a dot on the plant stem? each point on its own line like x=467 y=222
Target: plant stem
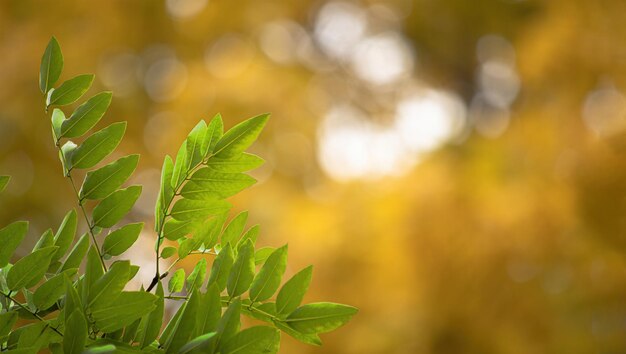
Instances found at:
x=82 y=207
x=159 y=229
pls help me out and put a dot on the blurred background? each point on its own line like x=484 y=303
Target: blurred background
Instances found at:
x=456 y=169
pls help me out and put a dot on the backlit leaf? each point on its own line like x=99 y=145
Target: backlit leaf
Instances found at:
x=206 y=183
x=221 y=267
x=242 y=273
x=291 y=294
x=320 y=317
x=197 y=276
x=253 y=340
x=268 y=279
x=186 y=209
x=128 y=307
x=177 y=281
x=239 y=163
x=240 y=137
x=65 y=234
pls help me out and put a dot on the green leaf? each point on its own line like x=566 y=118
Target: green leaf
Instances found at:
x=75 y=258
x=208 y=232
x=114 y=207
x=235 y=228
x=186 y=209
x=209 y=310
x=253 y=340
x=10 y=238
x=153 y=320
x=7 y=320
x=240 y=137
x=239 y=163
x=262 y=254
x=242 y=274
x=171 y=326
x=101 y=349
x=49 y=292
x=196 y=344
x=175 y=229
x=57 y=119
x=46 y=240
x=51 y=66
x=177 y=281
x=206 y=183
x=167 y=252
x=65 y=155
x=221 y=267
x=230 y=322
x=110 y=285
x=26 y=272
x=100 y=183
x=128 y=307
x=214 y=133
x=118 y=241
x=86 y=116
x=71 y=90
x=291 y=294
x=4 y=180
x=320 y=317
x=93 y=272
x=166 y=192
x=75 y=334
x=268 y=279
x=179 y=173
x=197 y=276
x=195 y=140
x=186 y=325
x=98 y=146
x=311 y=338
x=65 y=234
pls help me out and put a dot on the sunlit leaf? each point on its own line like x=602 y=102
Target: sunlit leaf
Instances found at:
x=221 y=267
x=239 y=163
x=65 y=234
x=50 y=291
x=110 y=285
x=167 y=252
x=86 y=115
x=51 y=65
x=27 y=271
x=206 y=183
x=197 y=276
x=114 y=207
x=242 y=273
x=70 y=91
x=240 y=137
x=151 y=323
x=320 y=317
x=128 y=307
x=291 y=294
x=235 y=228
x=98 y=146
x=253 y=340
x=75 y=258
x=186 y=209
x=10 y=238
x=100 y=183
x=214 y=133
x=177 y=281
x=4 y=180
x=118 y=241
x=75 y=334
x=267 y=281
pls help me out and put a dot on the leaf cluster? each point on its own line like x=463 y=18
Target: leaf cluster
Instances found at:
x=70 y=294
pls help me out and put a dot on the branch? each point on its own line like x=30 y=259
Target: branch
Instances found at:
x=8 y=296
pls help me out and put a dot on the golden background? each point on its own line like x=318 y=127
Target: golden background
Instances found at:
x=456 y=169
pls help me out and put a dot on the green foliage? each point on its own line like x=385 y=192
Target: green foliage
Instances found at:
x=69 y=311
